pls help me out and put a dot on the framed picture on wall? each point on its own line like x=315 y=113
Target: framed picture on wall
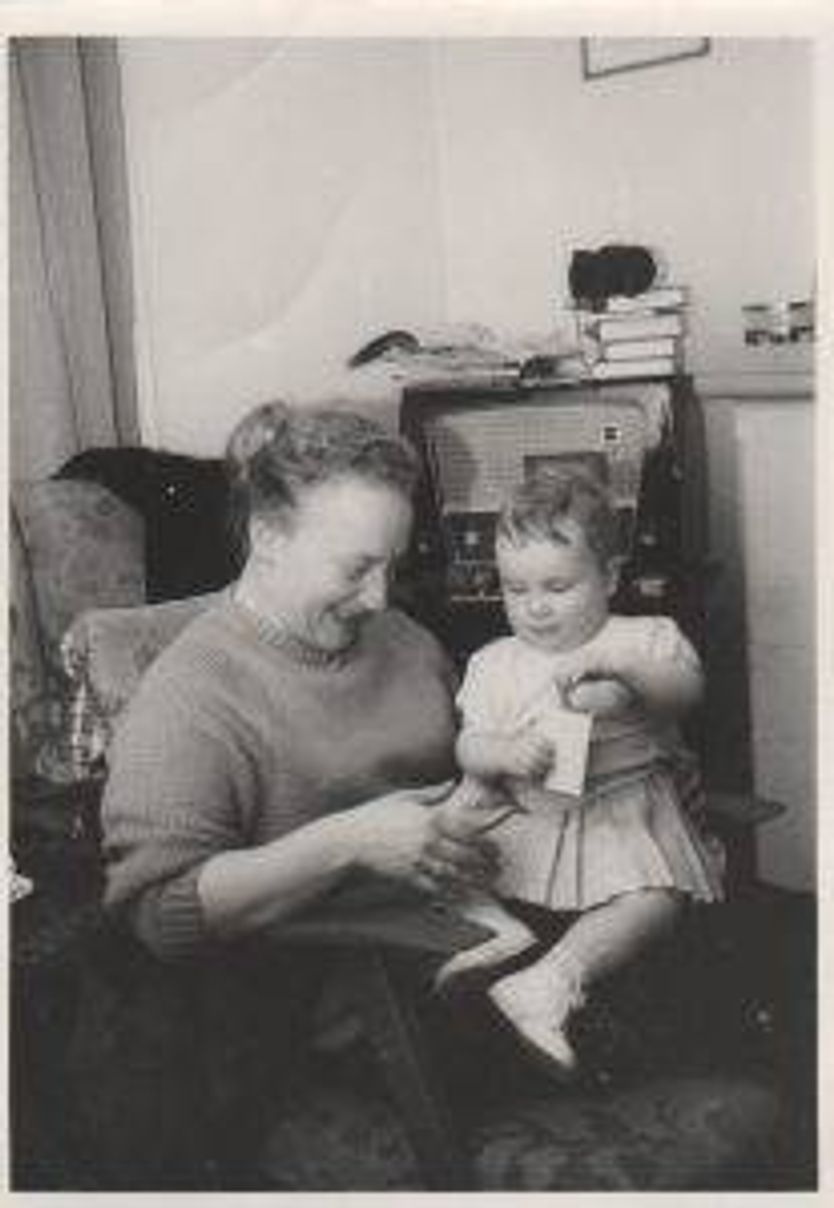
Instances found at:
x=608 y=56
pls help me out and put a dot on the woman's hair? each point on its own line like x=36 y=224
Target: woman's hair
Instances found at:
x=276 y=451
x=537 y=508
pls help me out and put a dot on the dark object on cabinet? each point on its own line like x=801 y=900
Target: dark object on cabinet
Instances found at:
x=614 y=269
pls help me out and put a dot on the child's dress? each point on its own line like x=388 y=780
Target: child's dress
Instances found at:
x=628 y=831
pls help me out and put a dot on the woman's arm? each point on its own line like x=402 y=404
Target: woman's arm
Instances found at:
x=174 y=816
x=398 y=835
x=240 y=891
x=181 y=805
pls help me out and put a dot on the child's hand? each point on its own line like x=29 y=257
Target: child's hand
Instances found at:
x=604 y=696
x=528 y=754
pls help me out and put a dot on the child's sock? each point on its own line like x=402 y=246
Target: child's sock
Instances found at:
x=538 y=1001
x=511 y=937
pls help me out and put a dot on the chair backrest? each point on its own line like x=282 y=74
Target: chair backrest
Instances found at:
x=84 y=548
x=105 y=653
x=73 y=546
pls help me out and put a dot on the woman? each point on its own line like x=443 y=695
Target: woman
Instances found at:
x=296 y=734
x=286 y=738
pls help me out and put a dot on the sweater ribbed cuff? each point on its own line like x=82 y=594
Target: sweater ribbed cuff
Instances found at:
x=171 y=922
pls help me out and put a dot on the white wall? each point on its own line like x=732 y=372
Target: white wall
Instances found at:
x=284 y=211
x=708 y=160
x=293 y=197
x=776 y=462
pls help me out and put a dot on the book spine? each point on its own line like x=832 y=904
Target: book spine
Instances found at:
x=616 y=329
x=630 y=350
x=665 y=297
x=652 y=367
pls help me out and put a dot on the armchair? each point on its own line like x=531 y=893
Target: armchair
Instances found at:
x=735 y=1112
x=73 y=546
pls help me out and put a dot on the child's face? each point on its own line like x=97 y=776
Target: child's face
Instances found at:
x=555 y=596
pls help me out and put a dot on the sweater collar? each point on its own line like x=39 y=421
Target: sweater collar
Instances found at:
x=293 y=647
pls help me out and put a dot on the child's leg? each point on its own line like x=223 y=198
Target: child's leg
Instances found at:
x=510 y=937
x=539 y=998
x=608 y=936
x=473 y=808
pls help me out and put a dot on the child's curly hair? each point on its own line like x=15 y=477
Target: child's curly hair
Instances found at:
x=539 y=505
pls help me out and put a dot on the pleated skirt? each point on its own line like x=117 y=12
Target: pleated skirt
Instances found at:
x=628 y=832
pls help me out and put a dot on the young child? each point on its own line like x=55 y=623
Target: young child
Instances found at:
x=622 y=853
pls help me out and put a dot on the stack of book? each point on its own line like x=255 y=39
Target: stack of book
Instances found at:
x=640 y=336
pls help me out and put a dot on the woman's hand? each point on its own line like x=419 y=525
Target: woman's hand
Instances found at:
x=400 y=835
x=473 y=807
x=603 y=696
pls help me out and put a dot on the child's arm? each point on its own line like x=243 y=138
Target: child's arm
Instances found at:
x=665 y=677
x=490 y=755
x=670 y=688
x=601 y=695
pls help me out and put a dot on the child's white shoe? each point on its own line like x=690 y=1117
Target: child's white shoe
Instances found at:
x=546 y=1044
x=537 y=1001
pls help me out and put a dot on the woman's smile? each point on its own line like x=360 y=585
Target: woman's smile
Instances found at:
x=324 y=576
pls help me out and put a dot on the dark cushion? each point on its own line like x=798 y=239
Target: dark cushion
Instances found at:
x=190 y=545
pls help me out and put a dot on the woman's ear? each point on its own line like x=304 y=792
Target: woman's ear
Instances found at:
x=612 y=576
x=266 y=538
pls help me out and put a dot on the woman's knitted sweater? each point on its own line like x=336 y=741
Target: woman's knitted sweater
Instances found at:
x=236 y=737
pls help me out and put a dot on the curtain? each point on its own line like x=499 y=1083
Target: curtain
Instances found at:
x=72 y=381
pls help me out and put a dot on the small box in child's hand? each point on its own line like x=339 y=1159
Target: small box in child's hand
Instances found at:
x=570 y=734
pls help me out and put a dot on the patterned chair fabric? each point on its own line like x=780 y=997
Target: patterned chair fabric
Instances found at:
x=105 y=652
x=28 y=673
x=74 y=546
x=664 y=1134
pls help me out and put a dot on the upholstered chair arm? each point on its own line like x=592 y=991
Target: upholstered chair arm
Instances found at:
x=105 y=653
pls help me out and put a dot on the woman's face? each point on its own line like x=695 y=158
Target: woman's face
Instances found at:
x=326 y=570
